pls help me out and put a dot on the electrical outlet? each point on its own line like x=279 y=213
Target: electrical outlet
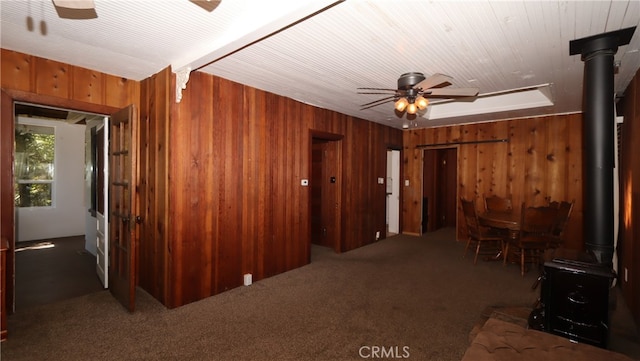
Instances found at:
x=248 y=279
x=377 y=235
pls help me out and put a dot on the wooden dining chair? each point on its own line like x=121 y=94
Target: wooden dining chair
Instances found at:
x=562 y=219
x=485 y=240
x=498 y=204
x=536 y=227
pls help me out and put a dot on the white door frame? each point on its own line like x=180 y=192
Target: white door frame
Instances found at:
x=102 y=238
x=393 y=190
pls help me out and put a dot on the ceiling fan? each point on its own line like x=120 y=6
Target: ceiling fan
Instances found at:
x=413 y=91
x=86 y=9
x=208 y=5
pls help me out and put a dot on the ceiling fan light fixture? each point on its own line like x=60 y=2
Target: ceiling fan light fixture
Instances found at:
x=421 y=102
x=401 y=104
x=412 y=108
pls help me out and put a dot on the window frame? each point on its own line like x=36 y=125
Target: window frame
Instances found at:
x=48 y=124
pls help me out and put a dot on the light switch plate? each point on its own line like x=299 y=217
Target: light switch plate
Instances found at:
x=380 y=180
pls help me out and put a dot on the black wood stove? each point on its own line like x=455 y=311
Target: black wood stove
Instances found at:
x=574 y=301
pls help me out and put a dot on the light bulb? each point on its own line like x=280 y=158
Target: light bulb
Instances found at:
x=421 y=102
x=412 y=108
x=401 y=104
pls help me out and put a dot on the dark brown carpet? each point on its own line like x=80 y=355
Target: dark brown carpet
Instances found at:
x=414 y=293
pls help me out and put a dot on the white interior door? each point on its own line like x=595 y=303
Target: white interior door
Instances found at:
x=102 y=238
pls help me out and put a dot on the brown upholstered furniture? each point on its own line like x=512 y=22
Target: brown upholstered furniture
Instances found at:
x=506 y=341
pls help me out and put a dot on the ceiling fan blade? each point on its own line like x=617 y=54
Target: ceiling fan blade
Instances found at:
x=452 y=92
x=375 y=105
x=208 y=5
x=75 y=9
x=377 y=102
x=434 y=80
x=383 y=89
x=75 y=4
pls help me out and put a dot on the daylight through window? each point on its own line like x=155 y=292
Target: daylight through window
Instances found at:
x=34 y=165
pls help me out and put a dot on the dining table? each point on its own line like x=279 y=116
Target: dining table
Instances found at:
x=507 y=221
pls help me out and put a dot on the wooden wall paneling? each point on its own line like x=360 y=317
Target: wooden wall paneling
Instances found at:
x=556 y=173
x=250 y=143
x=153 y=265
x=271 y=255
x=465 y=189
x=468 y=184
x=304 y=171
x=279 y=183
x=178 y=218
x=360 y=171
x=7 y=215
x=375 y=143
x=632 y=265
x=300 y=140
x=16 y=71
x=202 y=128
x=429 y=190
x=216 y=135
x=470 y=134
x=263 y=178
x=260 y=148
x=412 y=193
x=120 y=92
x=536 y=163
x=499 y=152
x=88 y=85
x=194 y=243
x=629 y=246
x=57 y=84
x=158 y=192
x=290 y=186
x=52 y=78
x=634 y=251
x=229 y=265
x=358 y=187
x=145 y=270
x=519 y=131
x=352 y=211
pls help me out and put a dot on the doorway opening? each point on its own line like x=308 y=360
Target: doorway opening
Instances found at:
x=55 y=226
x=393 y=192
x=440 y=180
x=326 y=191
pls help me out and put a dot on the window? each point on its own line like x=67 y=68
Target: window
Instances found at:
x=34 y=165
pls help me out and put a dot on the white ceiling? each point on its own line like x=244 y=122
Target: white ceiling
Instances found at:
x=319 y=52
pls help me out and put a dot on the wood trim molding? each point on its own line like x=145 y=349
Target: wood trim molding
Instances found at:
x=47 y=100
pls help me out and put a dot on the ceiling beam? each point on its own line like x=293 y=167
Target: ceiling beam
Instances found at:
x=250 y=28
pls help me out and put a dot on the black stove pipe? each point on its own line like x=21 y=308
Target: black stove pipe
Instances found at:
x=598 y=138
